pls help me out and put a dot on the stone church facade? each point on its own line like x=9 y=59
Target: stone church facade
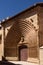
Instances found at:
x=22 y=35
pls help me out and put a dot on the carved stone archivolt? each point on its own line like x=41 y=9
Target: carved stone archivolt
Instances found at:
x=29 y=32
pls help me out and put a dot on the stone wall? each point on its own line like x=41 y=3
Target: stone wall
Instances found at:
x=40 y=18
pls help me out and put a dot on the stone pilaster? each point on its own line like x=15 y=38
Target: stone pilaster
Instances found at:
x=3 y=34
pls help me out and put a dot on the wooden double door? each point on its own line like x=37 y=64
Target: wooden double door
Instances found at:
x=23 y=53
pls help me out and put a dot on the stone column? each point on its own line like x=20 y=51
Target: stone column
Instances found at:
x=3 y=34
x=38 y=46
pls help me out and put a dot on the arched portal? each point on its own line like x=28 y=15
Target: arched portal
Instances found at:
x=23 y=53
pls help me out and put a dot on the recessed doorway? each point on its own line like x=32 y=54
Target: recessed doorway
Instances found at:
x=23 y=53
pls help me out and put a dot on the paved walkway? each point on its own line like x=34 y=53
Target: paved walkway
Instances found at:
x=23 y=63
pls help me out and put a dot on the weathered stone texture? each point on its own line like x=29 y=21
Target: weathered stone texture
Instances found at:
x=40 y=16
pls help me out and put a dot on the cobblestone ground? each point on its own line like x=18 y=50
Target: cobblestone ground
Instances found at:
x=23 y=63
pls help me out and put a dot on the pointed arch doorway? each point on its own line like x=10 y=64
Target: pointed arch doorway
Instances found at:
x=23 y=53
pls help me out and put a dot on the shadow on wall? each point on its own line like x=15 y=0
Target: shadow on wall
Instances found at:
x=11 y=41
x=13 y=36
